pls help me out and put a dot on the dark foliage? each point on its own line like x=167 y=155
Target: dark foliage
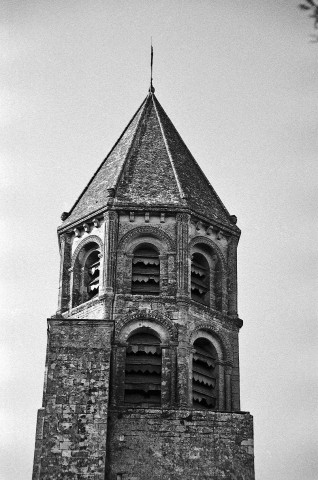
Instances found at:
x=311 y=7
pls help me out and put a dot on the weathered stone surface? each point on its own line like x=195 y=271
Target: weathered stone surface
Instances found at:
x=150 y=164
x=71 y=432
x=179 y=445
x=149 y=195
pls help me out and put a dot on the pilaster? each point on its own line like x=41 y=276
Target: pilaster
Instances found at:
x=182 y=367
x=64 y=280
x=109 y=261
x=232 y=275
x=182 y=221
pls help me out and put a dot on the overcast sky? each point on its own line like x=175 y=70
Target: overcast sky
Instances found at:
x=239 y=81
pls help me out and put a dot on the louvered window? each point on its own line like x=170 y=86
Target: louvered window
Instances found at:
x=91 y=275
x=86 y=274
x=204 y=375
x=143 y=370
x=146 y=271
x=200 y=279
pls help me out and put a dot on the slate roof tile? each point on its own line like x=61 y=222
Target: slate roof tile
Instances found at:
x=150 y=165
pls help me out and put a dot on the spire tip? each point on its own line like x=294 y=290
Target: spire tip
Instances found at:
x=151 y=88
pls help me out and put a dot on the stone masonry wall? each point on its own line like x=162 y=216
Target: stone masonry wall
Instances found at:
x=72 y=425
x=174 y=444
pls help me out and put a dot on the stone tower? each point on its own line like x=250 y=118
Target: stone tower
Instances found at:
x=142 y=367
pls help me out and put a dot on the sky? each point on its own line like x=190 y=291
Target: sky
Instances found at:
x=239 y=82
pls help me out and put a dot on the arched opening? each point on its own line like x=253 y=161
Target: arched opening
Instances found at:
x=86 y=274
x=204 y=375
x=145 y=271
x=91 y=273
x=206 y=277
x=200 y=279
x=143 y=369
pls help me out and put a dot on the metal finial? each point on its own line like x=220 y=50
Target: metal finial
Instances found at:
x=151 y=88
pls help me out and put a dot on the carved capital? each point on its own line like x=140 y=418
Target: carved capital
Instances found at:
x=182 y=217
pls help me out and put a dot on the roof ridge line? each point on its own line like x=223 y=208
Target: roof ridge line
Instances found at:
x=182 y=194
x=197 y=164
x=105 y=159
x=132 y=143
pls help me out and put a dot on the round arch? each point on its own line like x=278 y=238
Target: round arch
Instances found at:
x=211 y=244
x=154 y=320
x=85 y=241
x=220 y=341
x=140 y=234
x=86 y=284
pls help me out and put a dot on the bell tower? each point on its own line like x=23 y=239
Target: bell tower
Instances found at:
x=142 y=367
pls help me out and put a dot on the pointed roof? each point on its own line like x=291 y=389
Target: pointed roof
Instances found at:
x=150 y=165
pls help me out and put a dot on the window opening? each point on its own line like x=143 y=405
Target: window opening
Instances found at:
x=92 y=269
x=200 y=279
x=146 y=271
x=86 y=274
x=204 y=375
x=143 y=370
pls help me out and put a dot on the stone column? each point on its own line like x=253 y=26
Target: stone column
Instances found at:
x=110 y=247
x=64 y=281
x=228 y=390
x=182 y=367
x=101 y=274
x=163 y=274
x=212 y=287
x=221 y=387
x=127 y=273
x=71 y=287
x=173 y=379
x=165 y=377
x=171 y=274
x=183 y=220
x=232 y=276
x=190 y=389
x=235 y=375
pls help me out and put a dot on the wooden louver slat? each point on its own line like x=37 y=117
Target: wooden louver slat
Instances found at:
x=143 y=371
x=204 y=375
x=145 y=271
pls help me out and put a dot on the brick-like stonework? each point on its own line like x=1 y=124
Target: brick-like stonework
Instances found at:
x=174 y=444
x=72 y=425
x=150 y=165
x=148 y=195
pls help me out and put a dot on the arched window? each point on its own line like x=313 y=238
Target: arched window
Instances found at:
x=200 y=279
x=206 y=277
x=204 y=375
x=91 y=273
x=86 y=274
x=143 y=369
x=145 y=271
